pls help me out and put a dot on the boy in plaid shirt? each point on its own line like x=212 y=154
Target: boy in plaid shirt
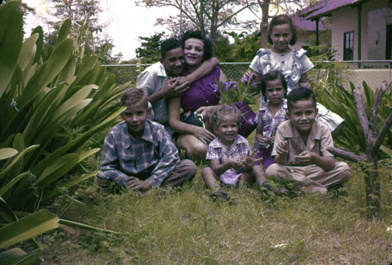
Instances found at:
x=138 y=153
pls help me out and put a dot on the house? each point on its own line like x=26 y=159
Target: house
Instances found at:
x=305 y=29
x=361 y=29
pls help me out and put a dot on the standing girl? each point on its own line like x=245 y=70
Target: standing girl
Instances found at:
x=229 y=153
x=293 y=64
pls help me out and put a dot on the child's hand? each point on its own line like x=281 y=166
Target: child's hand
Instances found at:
x=236 y=163
x=304 y=158
x=271 y=140
x=261 y=140
x=282 y=148
x=249 y=160
x=137 y=184
x=249 y=74
x=305 y=85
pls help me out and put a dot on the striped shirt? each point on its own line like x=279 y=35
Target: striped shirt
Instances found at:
x=123 y=156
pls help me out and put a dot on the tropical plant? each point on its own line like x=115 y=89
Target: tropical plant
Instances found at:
x=232 y=91
x=368 y=121
x=45 y=95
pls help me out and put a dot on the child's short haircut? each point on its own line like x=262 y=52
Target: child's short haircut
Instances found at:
x=134 y=96
x=168 y=45
x=222 y=111
x=196 y=34
x=270 y=76
x=281 y=20
x=298 y=94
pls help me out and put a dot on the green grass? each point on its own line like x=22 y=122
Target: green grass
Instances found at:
x=186 y=227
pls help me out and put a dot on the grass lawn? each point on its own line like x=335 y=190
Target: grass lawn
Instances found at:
x=187 y=227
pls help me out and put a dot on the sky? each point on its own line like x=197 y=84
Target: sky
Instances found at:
x=125 y=22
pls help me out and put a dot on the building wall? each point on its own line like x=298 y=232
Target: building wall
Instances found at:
x=302 y=37
x=378 y=20
x=346 y=19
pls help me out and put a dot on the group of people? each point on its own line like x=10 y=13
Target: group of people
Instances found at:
x=174 y=107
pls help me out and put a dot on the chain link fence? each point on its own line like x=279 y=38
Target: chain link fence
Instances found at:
x=373 y=72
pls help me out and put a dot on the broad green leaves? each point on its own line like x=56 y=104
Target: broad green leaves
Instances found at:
x=44 y=94
x=10 y=41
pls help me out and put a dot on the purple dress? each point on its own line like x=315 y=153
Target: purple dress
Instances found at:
x=201 y=93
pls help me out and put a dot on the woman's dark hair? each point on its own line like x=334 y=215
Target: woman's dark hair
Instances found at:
x=281 y=20
x=272 y=75
x=299 y=94
x=196 y=34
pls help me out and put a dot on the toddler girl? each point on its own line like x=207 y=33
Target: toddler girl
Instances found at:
x=229 y=153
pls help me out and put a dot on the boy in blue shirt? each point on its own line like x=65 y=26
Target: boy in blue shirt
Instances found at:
x=138 y=153
x=301 y=147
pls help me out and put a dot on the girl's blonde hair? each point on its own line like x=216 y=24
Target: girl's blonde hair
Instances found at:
x=222 y=111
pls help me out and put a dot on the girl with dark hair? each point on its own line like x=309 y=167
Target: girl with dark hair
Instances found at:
x=198 y=101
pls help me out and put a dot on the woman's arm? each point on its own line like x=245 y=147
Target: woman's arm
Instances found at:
x=184 y=128
x=201 y=71
x=174 y=117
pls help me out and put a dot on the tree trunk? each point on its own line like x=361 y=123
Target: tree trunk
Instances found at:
x=264 y=22
x=372 y=186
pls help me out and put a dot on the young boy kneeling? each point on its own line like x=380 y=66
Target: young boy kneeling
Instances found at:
x=301 y=145
x=138 y=153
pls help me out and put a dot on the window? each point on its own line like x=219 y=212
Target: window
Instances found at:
x=348 y=47
x=388 y=54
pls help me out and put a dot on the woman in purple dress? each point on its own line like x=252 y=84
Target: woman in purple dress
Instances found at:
x=198 y=101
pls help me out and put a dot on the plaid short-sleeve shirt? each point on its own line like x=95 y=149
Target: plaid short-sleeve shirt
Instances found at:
x=218 y=151
x=269 y=123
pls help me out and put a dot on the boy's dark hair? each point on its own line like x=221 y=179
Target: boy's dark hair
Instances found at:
x=281 y=20
x=222 y=111
x=134 y=96
x=196 y=34
x=168 y=45
x=272 y=75
x=298 y=94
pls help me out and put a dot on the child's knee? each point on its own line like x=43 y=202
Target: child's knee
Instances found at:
x=272 y=170
x=344 y=171
x=197 y=151
x=207 y=171
x=189 y=166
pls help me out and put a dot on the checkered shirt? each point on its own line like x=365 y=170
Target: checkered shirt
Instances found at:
x=124 y=156
x=268 y=123
x=218 y=151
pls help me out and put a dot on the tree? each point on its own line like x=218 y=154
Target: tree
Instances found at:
x=279 y=6
x=245 y=46
x=150 y=49
x=85 y=29
x=208 y=16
